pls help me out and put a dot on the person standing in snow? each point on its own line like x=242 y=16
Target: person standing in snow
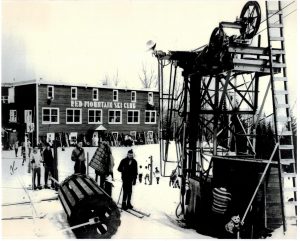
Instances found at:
x=48 y=164
x=147 y=175
x=103 y=163
x=141 y=174
x=78 y=156
x=128 y=169
x=156 y=175
x=36 y=160
x=29 y=147
x=16 y=147
x=23 y=151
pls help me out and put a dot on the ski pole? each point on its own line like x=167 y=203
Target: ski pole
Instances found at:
x=120 y=194
x=91 y=221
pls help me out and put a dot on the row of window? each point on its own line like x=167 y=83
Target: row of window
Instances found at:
x=95 y=94
x=27 y=116
x=74 y=116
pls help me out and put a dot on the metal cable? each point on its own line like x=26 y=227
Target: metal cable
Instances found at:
x=277 y=12
x=278 y=20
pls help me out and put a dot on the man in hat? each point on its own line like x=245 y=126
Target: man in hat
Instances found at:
x=78 y=156
x=128 y=168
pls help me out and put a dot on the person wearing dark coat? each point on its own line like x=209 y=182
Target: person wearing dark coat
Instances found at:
x=48 y=164
x=128 y=169
x=78 y=156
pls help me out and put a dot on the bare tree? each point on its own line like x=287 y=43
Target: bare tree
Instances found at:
x=116 y=79
x=147 y=77
x=108 y=80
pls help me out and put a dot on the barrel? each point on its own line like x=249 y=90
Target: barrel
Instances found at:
x=83 y=200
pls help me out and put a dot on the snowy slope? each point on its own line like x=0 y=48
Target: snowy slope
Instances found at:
x=46 y=219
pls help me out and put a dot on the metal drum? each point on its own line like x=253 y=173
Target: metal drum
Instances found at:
x=86 y=203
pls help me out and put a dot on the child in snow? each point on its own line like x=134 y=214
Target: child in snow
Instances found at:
x=141 y=174
x=156 y=175
x=147 y=175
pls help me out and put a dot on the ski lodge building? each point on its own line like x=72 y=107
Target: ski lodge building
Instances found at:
x=46 y=111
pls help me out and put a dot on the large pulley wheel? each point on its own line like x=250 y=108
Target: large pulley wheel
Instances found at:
x=217 y=39
x=250 y=19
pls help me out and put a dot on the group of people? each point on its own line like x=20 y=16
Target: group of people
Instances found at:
x=46 y=158
x=128 y=168
x=37 y=158
x=145 y=173
x=103 y=165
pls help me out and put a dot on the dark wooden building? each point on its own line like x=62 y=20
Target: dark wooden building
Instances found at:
x=46 y=111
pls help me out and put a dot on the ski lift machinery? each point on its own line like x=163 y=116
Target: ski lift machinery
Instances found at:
x=218 y=98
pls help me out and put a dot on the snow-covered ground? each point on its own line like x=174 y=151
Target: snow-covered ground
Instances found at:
x=47 y=219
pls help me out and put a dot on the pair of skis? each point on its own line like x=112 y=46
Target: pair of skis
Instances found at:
x=135 y=212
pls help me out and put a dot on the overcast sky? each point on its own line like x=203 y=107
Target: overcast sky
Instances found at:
x=84 y=41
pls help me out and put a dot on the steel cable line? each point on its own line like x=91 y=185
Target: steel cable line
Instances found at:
x=277 y=12
x=277 y=20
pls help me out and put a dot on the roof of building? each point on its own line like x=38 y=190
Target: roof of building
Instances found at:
x=87 y=85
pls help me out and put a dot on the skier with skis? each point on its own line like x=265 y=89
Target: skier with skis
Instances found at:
x=129 y=171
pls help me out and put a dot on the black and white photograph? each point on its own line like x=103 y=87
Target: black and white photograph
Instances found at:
x=151 y=119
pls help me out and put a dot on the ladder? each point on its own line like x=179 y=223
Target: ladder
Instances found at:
x=282 y=115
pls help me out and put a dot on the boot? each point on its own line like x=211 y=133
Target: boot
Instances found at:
x=129 y=206
x=124 y=206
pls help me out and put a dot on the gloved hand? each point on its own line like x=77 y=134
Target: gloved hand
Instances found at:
x=134 y=182
x=33 y=161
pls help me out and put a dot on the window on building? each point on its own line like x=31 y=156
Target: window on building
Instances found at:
x=28 y=116
x=150 y=98
x=115 y=95
x=11 y=95
x=150 y=116
x=74 y=93
x=133 y=117
x=50 y=116
x=115 y=117
x=73 y=116
x=95 y=116
x=50 y=92
x=13 y=116
x=95 y=94
x=133 y=96
x=4 y=99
